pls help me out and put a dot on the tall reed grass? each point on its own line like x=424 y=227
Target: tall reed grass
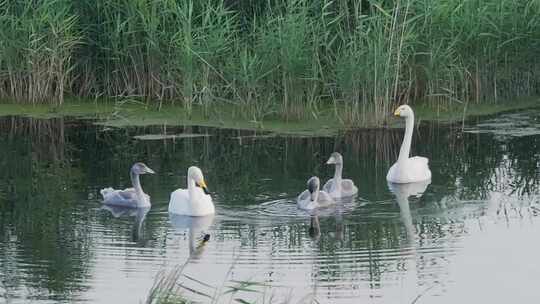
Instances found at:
x=37 y=39
x=285 y=58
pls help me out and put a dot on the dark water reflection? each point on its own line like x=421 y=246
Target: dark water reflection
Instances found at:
x=60 y=245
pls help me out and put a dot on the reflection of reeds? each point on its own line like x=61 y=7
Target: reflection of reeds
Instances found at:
x=38 y=204
x=47 y=136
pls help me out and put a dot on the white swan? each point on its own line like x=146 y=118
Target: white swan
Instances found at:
x=413 y=169
x=313 y=198
x=338 y=187
x=130 y=197
x=192 y=201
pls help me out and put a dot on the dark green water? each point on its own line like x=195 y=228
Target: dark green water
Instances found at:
x=471 y=237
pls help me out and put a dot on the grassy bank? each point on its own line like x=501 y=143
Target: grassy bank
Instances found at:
x=288 y=59
x=326 y=123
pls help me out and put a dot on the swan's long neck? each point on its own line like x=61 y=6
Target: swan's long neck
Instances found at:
x=191 y=186
x=406 y=145
x=137 y=185
x=337 y=175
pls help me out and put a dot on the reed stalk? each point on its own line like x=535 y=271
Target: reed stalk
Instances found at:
x=288 y=59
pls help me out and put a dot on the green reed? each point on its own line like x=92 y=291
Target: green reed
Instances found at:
x=37 y=40
x=288 y=59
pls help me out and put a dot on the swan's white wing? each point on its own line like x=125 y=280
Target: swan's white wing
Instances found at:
x=415 y=169
x=304 y=201
x=328 y=185
x=179 y=202
x=324 y=199
x=199 y=205
x=348 y=187
x=128 y=193
x=419 y=160
x=419 y=167
x=305 y=195
x=392 y=175
x=123 y=198
x=106 y=191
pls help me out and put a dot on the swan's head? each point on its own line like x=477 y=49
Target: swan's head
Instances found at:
x=141 y=168
x=196 y=175
x=313 y=187
x=335 y=158
x=403 y=111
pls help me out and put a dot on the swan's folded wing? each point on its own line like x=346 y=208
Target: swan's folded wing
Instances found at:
x=128 y=194
x=419 y=160
x=324 y=199
x=348 y=186
x=419 y=168
x=106 y=191
x=328 y=185
x=179 y=202
x=180 y=196
x=109 y=193
x=304 y=196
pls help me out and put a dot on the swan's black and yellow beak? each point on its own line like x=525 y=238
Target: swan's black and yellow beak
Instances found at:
x=202 y=184
x=397 y=112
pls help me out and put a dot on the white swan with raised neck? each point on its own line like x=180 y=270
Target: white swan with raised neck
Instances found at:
x=338 y=187
x=408 y=169
x=130 y=197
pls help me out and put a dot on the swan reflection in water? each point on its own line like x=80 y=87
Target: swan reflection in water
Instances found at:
x=197 y=227
x=409 y=256
x=138 y=213
x=402 y=192
x=335 y=212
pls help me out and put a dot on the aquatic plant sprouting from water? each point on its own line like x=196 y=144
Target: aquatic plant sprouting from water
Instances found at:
x=166 y=289
x=37 y=43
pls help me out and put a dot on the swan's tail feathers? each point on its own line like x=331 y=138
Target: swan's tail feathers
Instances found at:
x=105 y=191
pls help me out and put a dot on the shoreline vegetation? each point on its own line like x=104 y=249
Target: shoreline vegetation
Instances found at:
x=342 y=62
x=126 y=114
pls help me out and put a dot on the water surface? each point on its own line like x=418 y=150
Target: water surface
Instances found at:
x=471 y=235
